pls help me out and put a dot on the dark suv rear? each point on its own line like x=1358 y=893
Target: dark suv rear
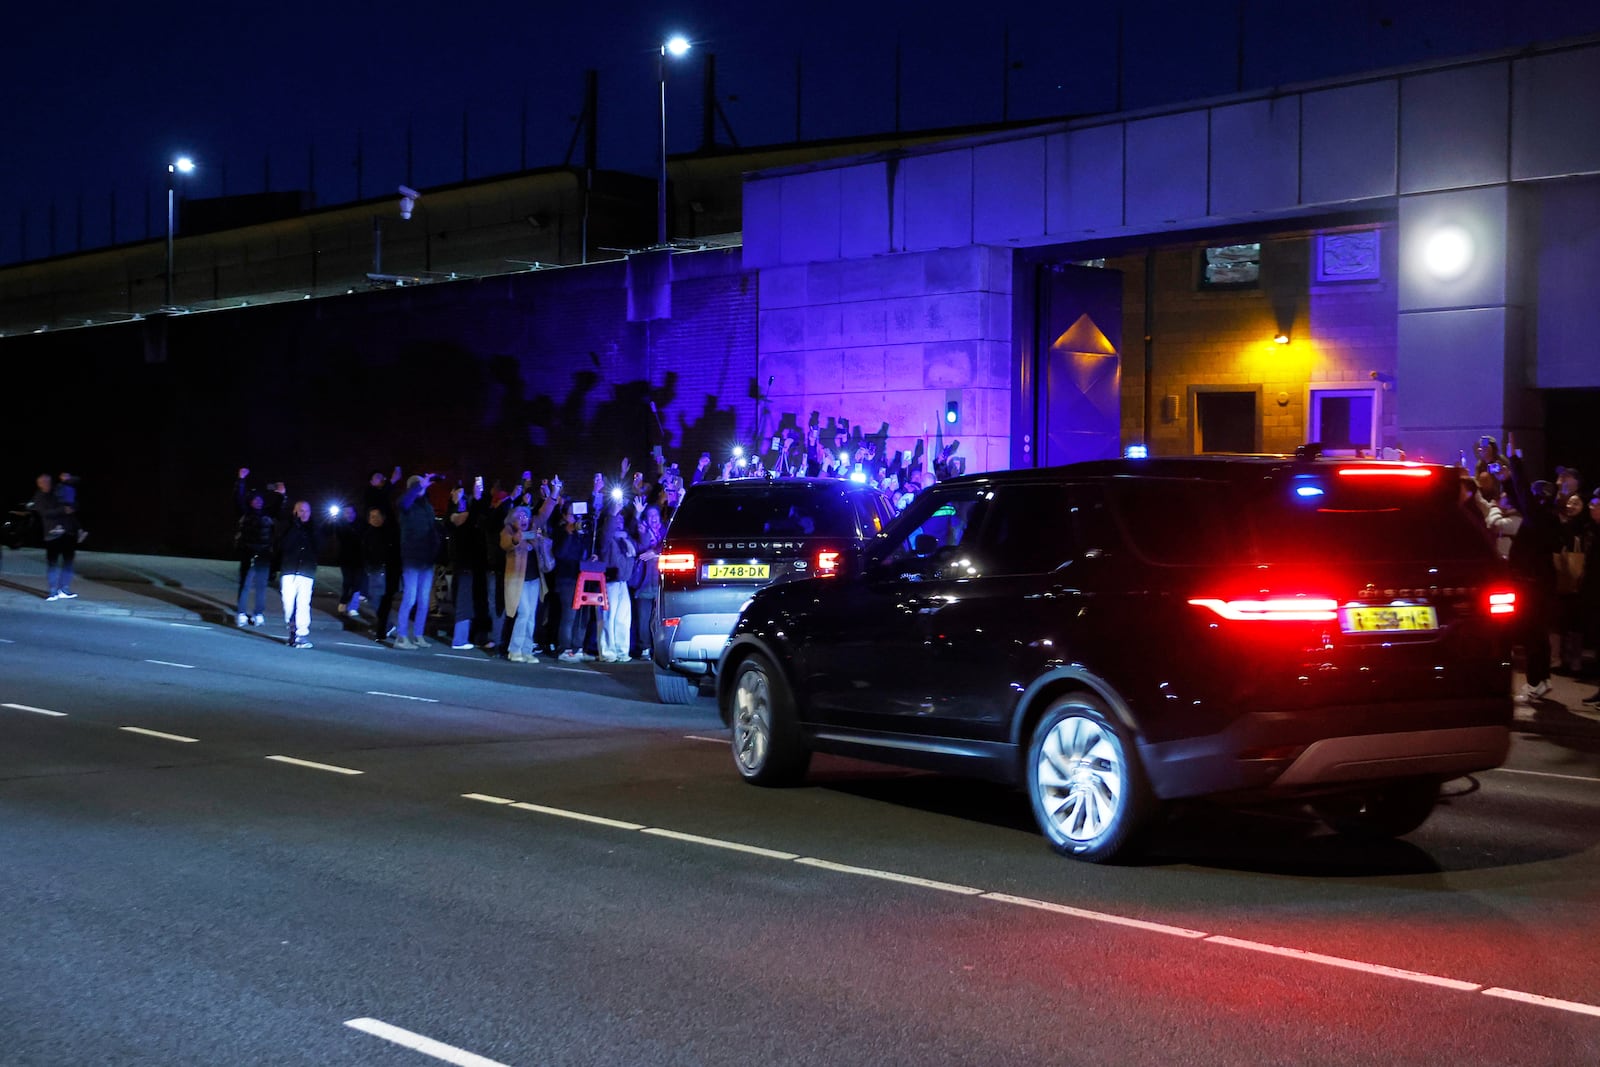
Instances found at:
x=1117 y=634
x=731 y=538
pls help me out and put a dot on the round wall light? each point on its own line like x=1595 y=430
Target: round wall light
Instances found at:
x=1447 y=253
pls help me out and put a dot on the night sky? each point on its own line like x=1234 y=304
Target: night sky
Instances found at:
x=99 y=96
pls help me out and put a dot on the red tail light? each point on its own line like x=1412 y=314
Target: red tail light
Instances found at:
x=1395 y=471
x=1272 y=609
x=1502 y=603
x=676 y=563
x=827 y=563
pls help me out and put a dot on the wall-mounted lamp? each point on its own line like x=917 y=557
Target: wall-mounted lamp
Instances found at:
x=1280 y=338
x=1447 y=253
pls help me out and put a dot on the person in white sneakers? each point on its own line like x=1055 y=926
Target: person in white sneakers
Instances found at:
x=297 y=572
x=617 y=551
x=522 y=585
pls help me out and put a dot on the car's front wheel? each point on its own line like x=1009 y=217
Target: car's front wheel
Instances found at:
x=1088 y=790
x=766 y=739
x=1381 y=812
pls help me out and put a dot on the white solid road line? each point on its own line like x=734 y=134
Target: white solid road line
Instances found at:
x=425 y=1045
x=314 y=766
x=401 y=696
x=36 y=711
x=713 y=740
x=190 y=626
x=370 y=646
x=1200 y=936
x=158 y=733
x=169 y=663
x=1547 y=774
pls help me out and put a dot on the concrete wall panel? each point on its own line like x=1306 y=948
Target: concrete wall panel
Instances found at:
x=1255 y=156
x=938 y=200
x=1084 y=192
x=1451 y=365
x=1348 y=143
x=1568 y=314
x=866 y=195
x=1479 y=213
x=811 y=217
x=1453 y=128
x=763 y=222
x=1166 y=177
x=1555 y=100
x=1009 y=191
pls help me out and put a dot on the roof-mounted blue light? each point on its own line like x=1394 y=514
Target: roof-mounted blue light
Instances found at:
x=1137 y=452
x=1308 y=490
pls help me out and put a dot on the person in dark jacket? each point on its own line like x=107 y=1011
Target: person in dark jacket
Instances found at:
x=1532 y=562
x=59 y=521
x=464 y=539
x=253 y=541
x=1589 y=586
x=379 y=552
x=345 y=534
x=570 y=545
x=419 y=551
x=297 y=571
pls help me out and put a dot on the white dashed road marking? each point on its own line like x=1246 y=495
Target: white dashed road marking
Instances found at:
x=1548 y=774
x=158 y=733
x=36 y=711
x=188 y=626
x=169 y=663
x=713 y=740
x=425 y=1045
x=313 y=766
x=1301 y=955
x=401 y=696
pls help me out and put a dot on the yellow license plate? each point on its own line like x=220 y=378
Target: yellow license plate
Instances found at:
x=736 y=571
x=1391 y=618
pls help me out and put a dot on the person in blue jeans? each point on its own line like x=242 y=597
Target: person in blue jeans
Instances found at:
x=254 y=542
x=419 y=550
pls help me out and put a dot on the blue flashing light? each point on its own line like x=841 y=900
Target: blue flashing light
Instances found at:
x=859 y=477
x=1308 y=490
x=1137 y=452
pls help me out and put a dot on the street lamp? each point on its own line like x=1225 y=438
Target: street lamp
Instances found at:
x=675 y=46
x=181 y=165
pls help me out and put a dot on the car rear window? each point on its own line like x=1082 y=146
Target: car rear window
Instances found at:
x=1190 y=522
x=776 y=510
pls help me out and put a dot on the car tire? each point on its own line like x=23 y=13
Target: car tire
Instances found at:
x=674 y=688
x=1089 y=793
x=766 y=739
x=1381 y=812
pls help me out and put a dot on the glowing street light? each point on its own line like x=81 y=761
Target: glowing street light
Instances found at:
x=181 y=165
x=676 y=46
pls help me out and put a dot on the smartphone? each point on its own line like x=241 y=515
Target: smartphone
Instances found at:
x=580 y=507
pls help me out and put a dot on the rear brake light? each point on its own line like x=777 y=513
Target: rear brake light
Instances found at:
x=1274 y=609
x=827 y=563
x=1502 y=603
x=677 y=563
x=1395 y=471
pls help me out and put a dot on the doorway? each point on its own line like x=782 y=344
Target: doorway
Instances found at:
x=1071 y=387
x=1224 y=419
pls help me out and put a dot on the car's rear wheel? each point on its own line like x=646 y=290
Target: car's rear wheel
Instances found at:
x=1088 y=790
x=673 y=688
x=1381 y=812
x=766 y=739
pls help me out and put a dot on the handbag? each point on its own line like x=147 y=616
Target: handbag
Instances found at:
x=544 y=551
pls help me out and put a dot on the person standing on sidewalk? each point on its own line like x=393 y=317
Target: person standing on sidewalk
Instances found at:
x=1532 y=562
x=617 y=552
x=346 y=536
x=254 y=543
x=59 y=521
x=419 y=552
x=297 y=572
x=1589 y=589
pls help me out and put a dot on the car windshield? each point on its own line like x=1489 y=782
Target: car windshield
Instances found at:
x=777 y=511
x=1315 y=517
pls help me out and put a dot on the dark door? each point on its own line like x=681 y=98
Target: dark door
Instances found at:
x=1076 y=384
x=1225 y=422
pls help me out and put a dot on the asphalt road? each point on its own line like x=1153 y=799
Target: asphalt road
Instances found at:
x=540 y=865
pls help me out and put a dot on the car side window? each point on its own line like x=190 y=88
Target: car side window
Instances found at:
x=940 y=528
x=1030 y=530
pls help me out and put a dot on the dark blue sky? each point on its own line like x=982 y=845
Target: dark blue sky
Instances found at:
x=100 y=95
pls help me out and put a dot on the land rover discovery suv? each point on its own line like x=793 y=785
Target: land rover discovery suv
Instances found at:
x=731 y=538
x=1118 y=634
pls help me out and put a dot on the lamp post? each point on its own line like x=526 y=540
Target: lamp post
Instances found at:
x=181 y=165
x=675 y=46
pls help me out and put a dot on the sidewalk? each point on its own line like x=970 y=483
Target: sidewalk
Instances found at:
x=157 y=587
x=204 y=590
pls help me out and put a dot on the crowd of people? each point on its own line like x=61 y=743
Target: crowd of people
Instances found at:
x=503 y=565
x=1548 y=532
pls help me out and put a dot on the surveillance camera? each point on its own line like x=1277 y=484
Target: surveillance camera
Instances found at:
x=408 y=200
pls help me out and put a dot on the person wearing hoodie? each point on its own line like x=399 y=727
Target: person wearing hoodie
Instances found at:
x=297 y=572
x=419 y=551
x=254 y=542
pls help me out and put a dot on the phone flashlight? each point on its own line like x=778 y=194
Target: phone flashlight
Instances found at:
x=616 y=492
x=844 y=457
x=333 y=510
x=737 y=451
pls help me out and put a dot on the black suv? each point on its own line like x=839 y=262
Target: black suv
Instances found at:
x=729 y=538
x=1116 y=634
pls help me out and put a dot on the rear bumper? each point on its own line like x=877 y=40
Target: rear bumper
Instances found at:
x=695 y=644
x=1306 y=752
